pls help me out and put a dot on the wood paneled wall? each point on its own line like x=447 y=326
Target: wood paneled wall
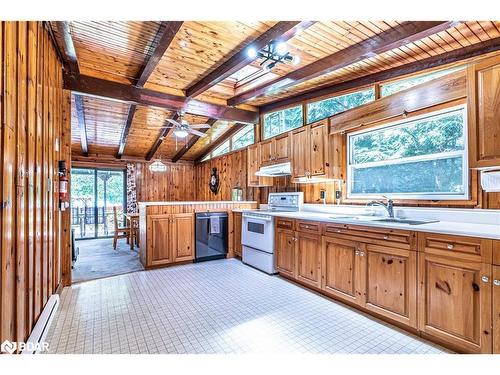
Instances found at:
x=31 y=125
x=176 y=184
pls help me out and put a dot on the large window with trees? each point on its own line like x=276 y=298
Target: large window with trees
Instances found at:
x=278 y=122
x=325 y=108
x=423 y=157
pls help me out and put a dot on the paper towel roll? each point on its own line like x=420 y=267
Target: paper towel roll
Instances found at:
x=490 y=181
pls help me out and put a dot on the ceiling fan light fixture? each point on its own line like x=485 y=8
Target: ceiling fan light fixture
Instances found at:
x=281 y=48
x=157 y=166
x=180 y=133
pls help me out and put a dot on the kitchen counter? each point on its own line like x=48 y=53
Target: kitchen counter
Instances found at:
x=472 y=228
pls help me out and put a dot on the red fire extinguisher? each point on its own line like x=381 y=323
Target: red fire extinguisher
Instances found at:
x=63 y=185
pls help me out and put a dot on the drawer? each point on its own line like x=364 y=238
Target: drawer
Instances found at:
x=308 y=226
x=379 y=236
x=467 y=248
x=284 y=223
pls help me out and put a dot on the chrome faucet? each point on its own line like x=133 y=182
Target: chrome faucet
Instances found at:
x=389 y=206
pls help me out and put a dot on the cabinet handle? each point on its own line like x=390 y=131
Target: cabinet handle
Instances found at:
x=485 y=279
x=450 y=246
x=362 y=253
x=356 y=252
x=496 y=282
x=307 y=226
x=386 y=237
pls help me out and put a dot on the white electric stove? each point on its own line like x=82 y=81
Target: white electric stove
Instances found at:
x=257 y=235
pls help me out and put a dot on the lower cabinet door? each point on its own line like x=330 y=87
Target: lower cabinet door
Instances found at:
x=285 y=252
x=159 y=240
x=496 y=309
x=391 y=283
x=454 y=302
x=237 y=233
x=342 y=269
x=309 y=258
x=182 y=237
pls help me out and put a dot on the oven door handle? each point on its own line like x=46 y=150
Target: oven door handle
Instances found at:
x=257 y=218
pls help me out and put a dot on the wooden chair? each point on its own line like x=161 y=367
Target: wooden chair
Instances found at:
x=119 y=232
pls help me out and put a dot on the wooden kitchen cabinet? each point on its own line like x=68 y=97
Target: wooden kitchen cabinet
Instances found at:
x=315 y=153
x=237 y=248
x=484 y=112
x=391 y=283
x=170 y=238
x=158 y=236
x=454 y=301
x=496 y=309
x=343 y=269
x=182 y=237
x=253 y=165
x=275 y=150
x=285 y=252
x=308 y=252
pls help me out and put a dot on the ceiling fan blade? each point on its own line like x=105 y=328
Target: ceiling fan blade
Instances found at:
x=200 y=126
x=196 y=132
x=159 y=127
x=175 y=123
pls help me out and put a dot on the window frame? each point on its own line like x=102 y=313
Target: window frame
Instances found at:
x=425 y=196
x=302 y=105
x=338 y=95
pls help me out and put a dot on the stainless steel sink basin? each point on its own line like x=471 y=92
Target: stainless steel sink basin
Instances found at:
x=406 y=221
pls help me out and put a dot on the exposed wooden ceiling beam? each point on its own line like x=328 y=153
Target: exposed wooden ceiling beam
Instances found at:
x=224 y=137
x=126 y=130
x=168 y=31
x=191 y=142
x=446 y=58
x=398 y=36
x=166 y=34
x=165 y=132
x=68 y=47
x=282 y=31
x=80 y=113
x=91 y=86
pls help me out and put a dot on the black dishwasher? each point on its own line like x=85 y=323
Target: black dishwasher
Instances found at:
x=211 y=236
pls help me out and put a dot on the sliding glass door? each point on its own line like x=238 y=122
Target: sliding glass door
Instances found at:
x=94 y=194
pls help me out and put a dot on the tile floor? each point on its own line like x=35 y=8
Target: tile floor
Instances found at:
x=98 y=259
x=215 y=307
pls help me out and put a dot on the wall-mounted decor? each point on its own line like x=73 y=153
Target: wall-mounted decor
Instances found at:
x=214 y=182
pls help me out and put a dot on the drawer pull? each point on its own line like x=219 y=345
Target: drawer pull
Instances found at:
x=386 y=237
x=444 y=286
x=485 y=279
x=449 y=246
x=357 y=252
x=307 y=226
x=496 y=282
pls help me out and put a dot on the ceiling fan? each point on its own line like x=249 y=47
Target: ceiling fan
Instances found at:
x=183 y=128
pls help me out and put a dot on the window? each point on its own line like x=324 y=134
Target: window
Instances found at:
x=325 y=108
x=244 y=137
x=420 y=158
x=222 y=149
x=394 y=87
x=282 y=121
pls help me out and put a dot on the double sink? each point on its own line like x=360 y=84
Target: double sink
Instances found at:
x=367 y=219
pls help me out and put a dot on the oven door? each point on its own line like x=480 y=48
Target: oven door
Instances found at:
x=258 y=232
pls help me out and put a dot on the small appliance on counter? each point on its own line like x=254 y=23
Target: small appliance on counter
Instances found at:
x=211 y=236
x=257 y=232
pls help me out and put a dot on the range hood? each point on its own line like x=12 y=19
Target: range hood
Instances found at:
x=275 y=170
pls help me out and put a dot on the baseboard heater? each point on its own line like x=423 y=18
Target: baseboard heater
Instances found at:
x=42 y=326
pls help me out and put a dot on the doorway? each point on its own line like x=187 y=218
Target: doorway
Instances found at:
x=94 y=193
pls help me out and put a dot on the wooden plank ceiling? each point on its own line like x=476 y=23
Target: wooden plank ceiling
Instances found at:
x=120 y=51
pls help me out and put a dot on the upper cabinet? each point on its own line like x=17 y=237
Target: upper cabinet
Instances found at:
x=253 y=165
x=275 y=150
x=484 y=113
x=315 y=153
